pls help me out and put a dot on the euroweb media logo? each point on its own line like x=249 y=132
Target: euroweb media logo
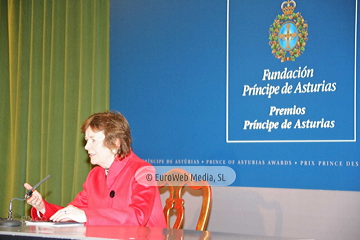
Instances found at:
x=288 y=34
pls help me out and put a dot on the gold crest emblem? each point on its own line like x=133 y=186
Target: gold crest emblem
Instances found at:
x=288 y=34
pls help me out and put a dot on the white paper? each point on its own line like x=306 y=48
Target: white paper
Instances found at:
x=53 y=224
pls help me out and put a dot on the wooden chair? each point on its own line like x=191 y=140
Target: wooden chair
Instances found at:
x=176 y=202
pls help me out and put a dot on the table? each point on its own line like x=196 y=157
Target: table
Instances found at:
x=111 y=232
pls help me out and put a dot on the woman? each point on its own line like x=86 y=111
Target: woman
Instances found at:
x=111 y=194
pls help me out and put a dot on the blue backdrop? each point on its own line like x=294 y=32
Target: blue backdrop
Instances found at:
x=192 y=77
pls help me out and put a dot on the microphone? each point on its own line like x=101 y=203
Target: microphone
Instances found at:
x=30 y=191
x=10 y=222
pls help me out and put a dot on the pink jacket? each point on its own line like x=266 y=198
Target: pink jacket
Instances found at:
x=116 y=199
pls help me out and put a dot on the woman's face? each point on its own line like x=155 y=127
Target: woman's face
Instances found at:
x=98 y=153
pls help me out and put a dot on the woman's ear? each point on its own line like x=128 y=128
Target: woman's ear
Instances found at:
x=117 y=143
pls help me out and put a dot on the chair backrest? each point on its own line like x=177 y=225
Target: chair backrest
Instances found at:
x=176 y=179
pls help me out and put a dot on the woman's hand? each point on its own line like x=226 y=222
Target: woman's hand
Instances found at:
x=70 y=213
x=35 y=200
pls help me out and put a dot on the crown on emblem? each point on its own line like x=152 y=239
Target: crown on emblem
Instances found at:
x=289 y=8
